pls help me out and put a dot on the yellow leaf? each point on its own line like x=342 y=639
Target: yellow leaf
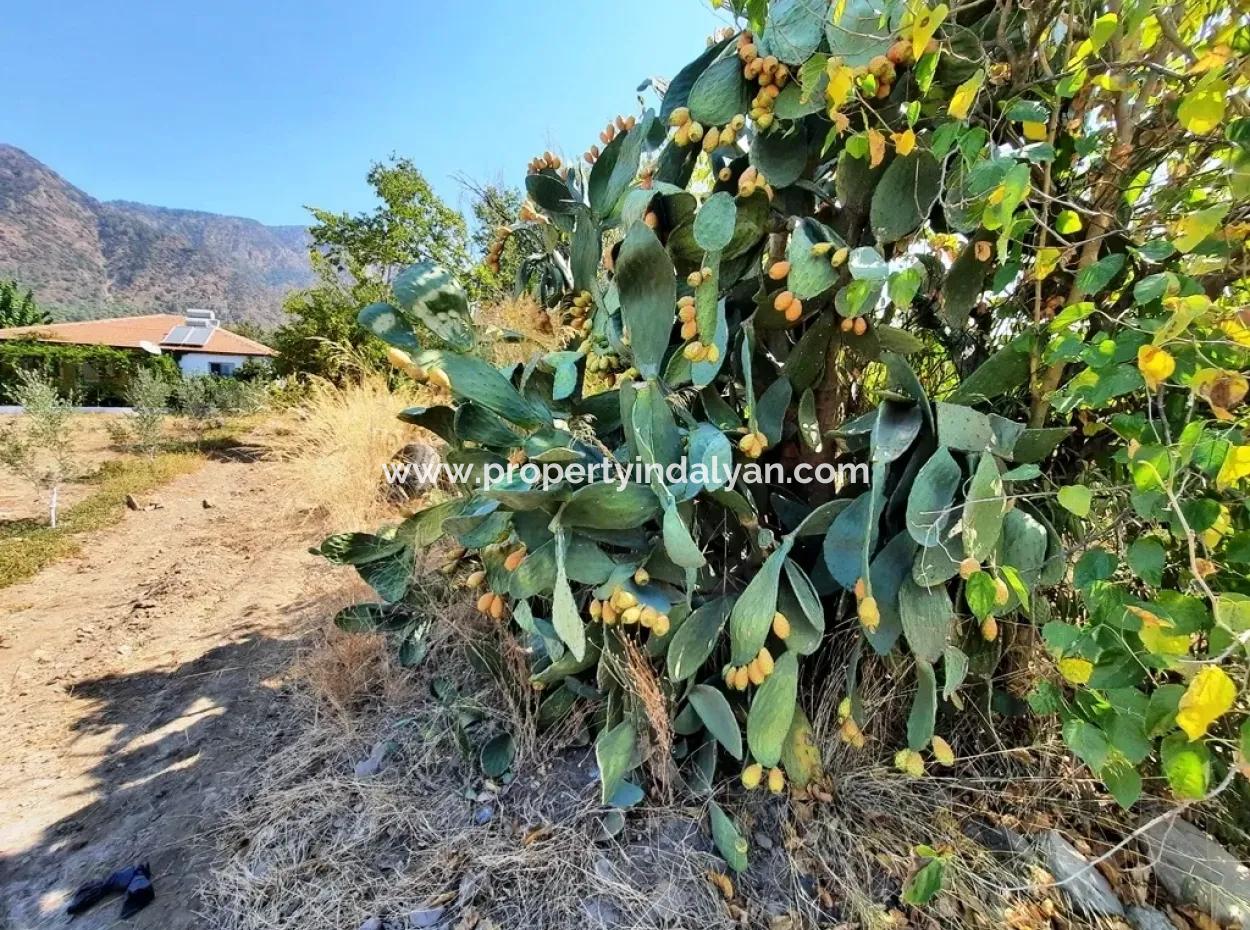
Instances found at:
x=1046 y=262
x=1236 y=466
x=1192 y=228
x=924 y=23
x=1209 y=696
x=841 y=84
x=1222 y=390
x=1076 y=670
x=1237 y=331
x=1215 y=57
x=1034 y=132
x=942 y=751
x=1222 y=527
x=1156 y=365
x=965 y=95
x=1202 y=109
x=904 y=141
x=1184 y=311
x=876 y=147
x=1156 y=634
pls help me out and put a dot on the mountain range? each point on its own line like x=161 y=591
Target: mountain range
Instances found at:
x=86 y=258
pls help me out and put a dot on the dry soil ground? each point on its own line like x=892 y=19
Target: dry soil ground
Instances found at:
x=140 y=684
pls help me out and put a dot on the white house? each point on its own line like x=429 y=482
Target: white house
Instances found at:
x=196 y=341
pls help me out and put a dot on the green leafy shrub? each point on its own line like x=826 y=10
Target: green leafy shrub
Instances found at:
x=971 y=253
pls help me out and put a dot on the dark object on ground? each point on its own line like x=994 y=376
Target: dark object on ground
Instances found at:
x=135 y=881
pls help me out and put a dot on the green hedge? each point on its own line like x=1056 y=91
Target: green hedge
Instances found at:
x=96 y=374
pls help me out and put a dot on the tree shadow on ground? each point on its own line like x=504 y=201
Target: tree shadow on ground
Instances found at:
x=178 y=745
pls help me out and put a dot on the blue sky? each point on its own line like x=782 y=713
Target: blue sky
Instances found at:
x=258 y=107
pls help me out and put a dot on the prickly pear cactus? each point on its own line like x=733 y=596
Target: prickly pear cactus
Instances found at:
x=895 y=237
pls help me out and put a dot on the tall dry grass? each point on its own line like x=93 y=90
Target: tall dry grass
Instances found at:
x=334 y=444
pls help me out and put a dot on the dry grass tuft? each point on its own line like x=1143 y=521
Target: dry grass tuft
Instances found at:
x=349 y=672
x=335 y=444
x=517 y=315
x=317 y=846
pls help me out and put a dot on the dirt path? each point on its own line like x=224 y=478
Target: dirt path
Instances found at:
x=140 y=684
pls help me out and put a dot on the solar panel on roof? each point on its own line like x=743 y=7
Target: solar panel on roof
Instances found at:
x=189 y=335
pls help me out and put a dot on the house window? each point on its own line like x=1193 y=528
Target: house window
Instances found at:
x=221 y=368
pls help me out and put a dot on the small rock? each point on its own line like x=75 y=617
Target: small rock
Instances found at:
x=998 y=839
x=207 y=504
x=373 y=763
x=373 y=923
x=763 y=840
x=1147 y=918
x=426 y=916
x=484 y=814
x=1083 y=885
x=132 y=502
x=1199 y=871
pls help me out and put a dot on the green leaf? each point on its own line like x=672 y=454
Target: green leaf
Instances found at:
x=1123 y=781
x=979 y=593
x=844 y=545
x=715 y=221
x=810 y=275
x=1076 y=498
x=729 y=842
x=695 y=639
x=984 y=509
x=793 y=29
x=678 y=542
x=720 y=93
x=905 y=195
x=1094 y=278
x=927 y=615
x=1005 y=370
x=1187 y=766
x=608 y=506
x=437 y=300
x=497 y=756
x=753 y=612
x=923 y=715
x=924 y=886
x=646 y=281
x=385 y=322
x=1088 y=742
x=710 y=704
x=1146 y=557
x=772 y=711
x=564 y=615
x=614 y=752
x=929 y=511
x=485 y=385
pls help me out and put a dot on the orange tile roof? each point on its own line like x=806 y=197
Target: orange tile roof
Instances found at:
x=126 y=332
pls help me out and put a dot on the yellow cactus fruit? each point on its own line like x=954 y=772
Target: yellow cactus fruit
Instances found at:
x=764 y=120
x=712 y=354
x=625 y=599
x=681 y=138
x=776 y=781
x=439 y=378
x=728 y=675
x=725 y=174
x=631 y=615
x=821 y=249
x=782 y=302
x=850 y=733
x=765 y=659
x=861 y=589
x=661 y=625
x=484 y=602
x=1002 y=593
x=475 y=580
x=711 y=139
x=399 y=358
x=781 y=626
x=748 y=446
x=693 y=351
x=942 y=751
x=844 y=708
x=847 y=325
x=648 y=616
x=742 y=678
x=968 y=567
x=779 y=270
x=689 y=329
x=752 y=775
x=609 y=613
x=497 y=608
x=989 y=629
x=680 y=116
x=642 y=576
x=755 y=673
x=694 y=132
x=869 y=614
x=838 y=258
x=909 y=761
x=794 y=311
x=859 y=326
x=514 y=559
x=596 y=609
